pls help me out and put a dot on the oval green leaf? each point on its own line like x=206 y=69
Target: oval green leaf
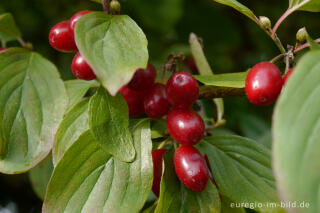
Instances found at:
x=234 y=80
x=241 y=168
x=296 y=133
x=114 y=46
x=109 y=123
x=8 y=28
x=73 y=125
x=306 y=5
x=40 y=175
x=76 y=90
x=32 y=103
x=87 y=179
x=175 y=197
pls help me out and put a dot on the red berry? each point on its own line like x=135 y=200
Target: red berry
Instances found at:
x=74 y=19
x=185 y=126
x=191 y=168
x=182 y=90
x=156 y=103
x=61 y=39
x=81 y=68
x=134 y=100
x=190 y=62
x=287 y=75
x=3 y=49
x=263 y=83
x=143 y=78
x=157 y=170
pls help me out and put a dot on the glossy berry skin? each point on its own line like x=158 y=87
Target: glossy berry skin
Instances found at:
x=134 y=100
x=182 y=90
x=157 y=170
x=3 y=49
x=156 y=102
x=143 y=78
x=61 y=39
x=287 y=76
x=185 y=126
x=263 y=83
x=81 y=68
x=74 y=19
x=191 y=168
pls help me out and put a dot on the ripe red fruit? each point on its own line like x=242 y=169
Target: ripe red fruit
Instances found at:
x=287 y=75
x=182 y=90
x=81 y=68
x=191 y=168
x=263 y=83
x=61 y=39
x=156 y=103
x=3 y=49
x=157 y=170
x=143 y=78
x=134 y=100
x=185 y=126
x=74 y=19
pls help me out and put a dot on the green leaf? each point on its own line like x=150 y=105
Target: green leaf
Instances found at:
x=8 y=28
x=109 y=122
x=87 y=179
x=76 y=90
x=32 y=103
x=158 y=129
x=239 y=7
x=306 y=5
x=114 y=46
x=73 y=125
x=235 y=80
x=175 y=197
x=241 y=168
x=296 y=133
x=313 y=45
x=40 y=175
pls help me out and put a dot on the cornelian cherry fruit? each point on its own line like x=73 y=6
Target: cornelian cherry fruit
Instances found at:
x=157 y=170
x=287 y=76
x=156 y=103
x=263 y=83
x=134 y=100
x=191 y=168
x=61 y=39
x=81 y=68
x=143 y=78
x=74 y=19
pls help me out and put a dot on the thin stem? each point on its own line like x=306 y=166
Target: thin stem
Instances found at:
x=285 y=15
x=22 y=42
x=277 y=58
x=277 y=41
x=301 y=47
x=209 y=92
x=162 y=144
x=106 y=6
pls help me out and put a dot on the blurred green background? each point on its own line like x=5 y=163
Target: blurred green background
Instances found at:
x=232 y=43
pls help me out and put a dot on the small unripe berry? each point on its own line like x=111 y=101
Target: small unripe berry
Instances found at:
x=115 y=6
x=265 y=22
x=302 y=35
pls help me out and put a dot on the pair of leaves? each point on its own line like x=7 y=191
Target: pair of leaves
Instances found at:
x=241 y=168
x=296 y=133
x=114 y=46
x=88 y=179
x=8 y=28
x=32 y=103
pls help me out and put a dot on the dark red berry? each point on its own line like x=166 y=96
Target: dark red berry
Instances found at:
x=3 y=49
x=191 y=168
x=185 y=126
x=191 y=64
x=134 y=100
x=81 y=68
x=61 y=39
x=157 y=170
x=287 y=75
x=156 y=103
x=143 y=78
x=75 y=18
x=263 y=83
x=182 y=90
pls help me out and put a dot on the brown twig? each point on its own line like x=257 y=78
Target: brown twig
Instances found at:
x=209 y=92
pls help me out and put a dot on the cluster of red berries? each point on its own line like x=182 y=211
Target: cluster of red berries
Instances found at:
x=61 y=37
x=185 y=126
x=264 y=83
